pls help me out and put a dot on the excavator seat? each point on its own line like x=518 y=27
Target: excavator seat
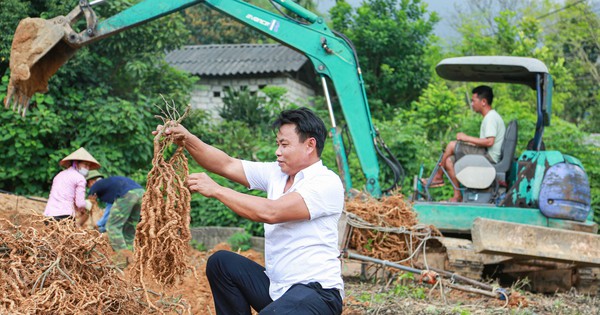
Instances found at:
x=507 y=154
x=476 y=172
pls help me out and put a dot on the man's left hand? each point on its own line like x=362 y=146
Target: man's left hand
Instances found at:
x=203 y=184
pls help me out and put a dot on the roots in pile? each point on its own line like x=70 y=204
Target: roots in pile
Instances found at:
x=50 y=267
x=161 y=245
x=385 y=229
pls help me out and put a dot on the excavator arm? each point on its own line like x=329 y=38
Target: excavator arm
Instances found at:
x=331 y=54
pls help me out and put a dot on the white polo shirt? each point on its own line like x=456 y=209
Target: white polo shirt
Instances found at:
x=302 y=251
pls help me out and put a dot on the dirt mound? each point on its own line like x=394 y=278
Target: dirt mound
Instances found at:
x=13 y=204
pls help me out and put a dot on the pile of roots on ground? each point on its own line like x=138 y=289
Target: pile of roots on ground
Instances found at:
x=51 y=267
x=161 y=246
x=386 y=228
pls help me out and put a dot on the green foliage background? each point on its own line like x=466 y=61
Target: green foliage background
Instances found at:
x=105 y=97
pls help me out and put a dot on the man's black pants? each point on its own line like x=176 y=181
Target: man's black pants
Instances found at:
x=238 y=283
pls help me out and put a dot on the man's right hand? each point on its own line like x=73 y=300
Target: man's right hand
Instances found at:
x=177 y=131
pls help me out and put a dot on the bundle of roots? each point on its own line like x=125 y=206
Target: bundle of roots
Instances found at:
x=385 y=229
x=161 y=245
x=50 y=267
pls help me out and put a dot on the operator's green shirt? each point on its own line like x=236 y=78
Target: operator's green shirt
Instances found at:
x=493 y=126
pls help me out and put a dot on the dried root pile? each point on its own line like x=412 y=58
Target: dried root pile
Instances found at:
x=161 y=245
x=385 y=229
x=57 y=268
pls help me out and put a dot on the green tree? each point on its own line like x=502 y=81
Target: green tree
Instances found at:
x=437 y=110
x=7 y=28
x=242 y=105
x=574 y=34
x=562 y=34
x=391 y=38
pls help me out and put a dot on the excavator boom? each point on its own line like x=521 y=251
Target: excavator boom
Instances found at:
x=50 y=43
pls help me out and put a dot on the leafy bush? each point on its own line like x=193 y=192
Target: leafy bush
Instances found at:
x=242 y=105
x=240 y=241
x=199 y=246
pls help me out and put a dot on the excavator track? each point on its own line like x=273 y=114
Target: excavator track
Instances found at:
x=459 y=256
x=454 y=255
x=588 y=280
x=462 y=258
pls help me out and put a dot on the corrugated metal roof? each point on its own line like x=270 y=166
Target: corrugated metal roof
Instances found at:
x=218 y=60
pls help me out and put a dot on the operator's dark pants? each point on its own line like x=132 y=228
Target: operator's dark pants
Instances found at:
x=464 y=148
x=238 y=283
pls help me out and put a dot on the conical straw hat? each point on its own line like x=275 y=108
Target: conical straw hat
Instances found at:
x=80 y=155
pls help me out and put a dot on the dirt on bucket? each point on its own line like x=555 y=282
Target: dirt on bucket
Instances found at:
x=36 y=54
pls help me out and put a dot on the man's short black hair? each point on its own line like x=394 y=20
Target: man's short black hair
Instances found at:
x=484 y=92
x=308 y=125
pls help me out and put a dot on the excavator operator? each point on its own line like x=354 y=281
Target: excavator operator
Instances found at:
x=488 y=144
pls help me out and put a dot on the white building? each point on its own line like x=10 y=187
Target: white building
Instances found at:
x=244 y=67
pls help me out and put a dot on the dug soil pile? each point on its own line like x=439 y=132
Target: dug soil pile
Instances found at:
x=10 y=203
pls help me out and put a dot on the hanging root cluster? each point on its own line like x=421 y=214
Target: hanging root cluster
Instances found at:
x=50 y=267
x=385 y=229
x=161 y=244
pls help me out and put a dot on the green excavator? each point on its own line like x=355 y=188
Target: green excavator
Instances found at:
x=530 y=216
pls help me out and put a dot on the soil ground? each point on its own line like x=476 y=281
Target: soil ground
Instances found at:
x=368 y=298
x=402 y=295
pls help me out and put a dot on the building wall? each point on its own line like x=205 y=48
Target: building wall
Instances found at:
x=208 y=93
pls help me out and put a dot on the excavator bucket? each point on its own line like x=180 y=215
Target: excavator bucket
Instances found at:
x=38 y=50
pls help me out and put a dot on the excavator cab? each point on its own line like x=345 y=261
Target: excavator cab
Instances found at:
x=521 y=213
x=549 y=180
x=483 y=181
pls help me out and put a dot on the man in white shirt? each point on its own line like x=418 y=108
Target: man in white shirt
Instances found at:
x=302 y=273
x=489 y=143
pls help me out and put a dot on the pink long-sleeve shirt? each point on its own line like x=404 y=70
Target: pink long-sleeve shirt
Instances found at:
x=67 y=192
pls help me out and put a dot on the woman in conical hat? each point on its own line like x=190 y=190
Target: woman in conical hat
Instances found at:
x=80 y=155
x=67 y=195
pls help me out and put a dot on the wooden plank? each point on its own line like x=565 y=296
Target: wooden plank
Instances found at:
x=528 y=241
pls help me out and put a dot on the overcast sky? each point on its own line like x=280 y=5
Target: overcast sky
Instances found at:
x=444 y=8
